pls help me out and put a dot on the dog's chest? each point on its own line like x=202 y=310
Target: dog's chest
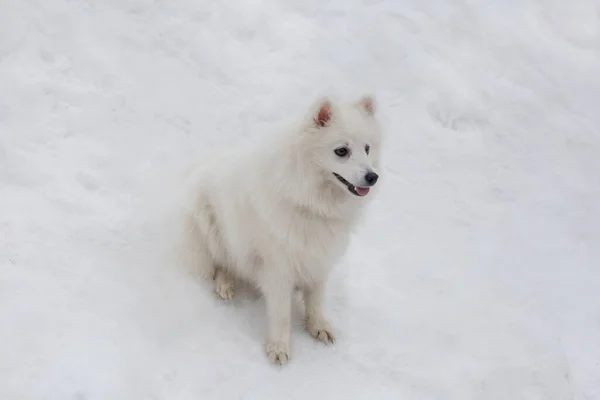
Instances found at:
x=314 y=246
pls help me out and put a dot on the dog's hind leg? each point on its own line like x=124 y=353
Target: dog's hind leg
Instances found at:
x=224 y=284
x=196 y=255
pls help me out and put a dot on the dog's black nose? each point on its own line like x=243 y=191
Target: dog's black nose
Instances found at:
x=371 y=178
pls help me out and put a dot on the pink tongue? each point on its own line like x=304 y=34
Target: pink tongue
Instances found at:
x=361 y=191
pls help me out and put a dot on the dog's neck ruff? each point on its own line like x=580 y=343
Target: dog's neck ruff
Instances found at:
x=317 y=196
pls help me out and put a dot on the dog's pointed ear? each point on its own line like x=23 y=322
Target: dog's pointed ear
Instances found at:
x=367 y=103
x=323 y=113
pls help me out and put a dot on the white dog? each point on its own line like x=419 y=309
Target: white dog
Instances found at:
x=279 y=214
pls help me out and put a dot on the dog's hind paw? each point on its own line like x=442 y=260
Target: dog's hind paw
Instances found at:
x=225 y=291
x=278 y=353
x=224 y=284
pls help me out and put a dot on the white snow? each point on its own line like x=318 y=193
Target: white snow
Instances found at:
x=476 y=276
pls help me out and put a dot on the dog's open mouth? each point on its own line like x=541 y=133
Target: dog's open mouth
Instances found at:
x=355 y=190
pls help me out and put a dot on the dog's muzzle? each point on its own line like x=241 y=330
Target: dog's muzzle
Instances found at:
x=355 y=190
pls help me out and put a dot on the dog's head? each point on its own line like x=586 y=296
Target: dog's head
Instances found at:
x=346 y=144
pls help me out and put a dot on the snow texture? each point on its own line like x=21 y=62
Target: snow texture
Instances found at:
x=476 y=275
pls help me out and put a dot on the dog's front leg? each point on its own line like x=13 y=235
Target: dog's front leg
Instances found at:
x=278 y=296
x=316 y=323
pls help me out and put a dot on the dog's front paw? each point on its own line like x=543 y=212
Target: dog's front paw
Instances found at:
x=321 y=331
x=278 y=352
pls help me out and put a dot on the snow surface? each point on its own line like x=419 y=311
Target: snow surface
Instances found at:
x=476 y=275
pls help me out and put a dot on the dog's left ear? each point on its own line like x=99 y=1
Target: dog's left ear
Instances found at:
x=367 y=103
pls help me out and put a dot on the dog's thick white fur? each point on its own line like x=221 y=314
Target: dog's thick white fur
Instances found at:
x=279 y=213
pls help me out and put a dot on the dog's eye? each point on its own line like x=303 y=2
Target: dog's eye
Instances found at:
x=341 y=151
x=367 y=148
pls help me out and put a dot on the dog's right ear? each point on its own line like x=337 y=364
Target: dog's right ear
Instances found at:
x=367 y=103
x=323 y=113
